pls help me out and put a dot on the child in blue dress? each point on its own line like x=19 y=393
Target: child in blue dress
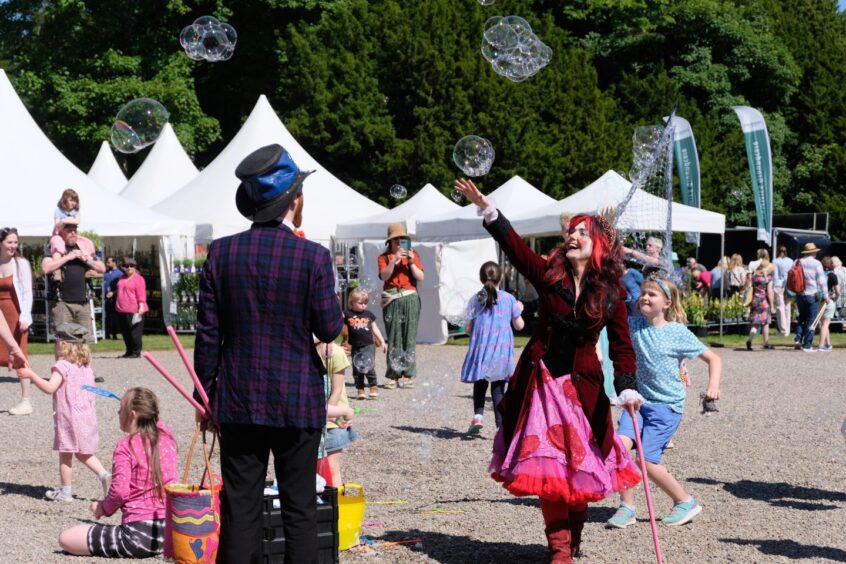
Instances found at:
x=490 y=358
x=661 y=341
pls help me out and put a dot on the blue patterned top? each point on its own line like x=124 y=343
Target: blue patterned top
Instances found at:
x=491 y=352
x=659 y=350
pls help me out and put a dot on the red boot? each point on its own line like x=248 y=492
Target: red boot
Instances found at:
x=577 y=523
x=559 y=539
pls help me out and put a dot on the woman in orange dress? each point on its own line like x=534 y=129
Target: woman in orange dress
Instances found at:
x=15 y=305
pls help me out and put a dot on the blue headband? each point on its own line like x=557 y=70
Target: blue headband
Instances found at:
x=662 y=284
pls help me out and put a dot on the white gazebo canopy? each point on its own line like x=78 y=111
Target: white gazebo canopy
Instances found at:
x=513 y=198
x=209 y=199
x=166 y=169
x=429 y=202
x=645 y=212
x=106 y=171
x=34 y=173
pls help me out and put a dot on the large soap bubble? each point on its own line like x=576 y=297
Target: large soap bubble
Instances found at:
x=644 y=147
x=364 y=361
x=474 y=155
x=208 y=39
x=512 y=48
x=138 y=125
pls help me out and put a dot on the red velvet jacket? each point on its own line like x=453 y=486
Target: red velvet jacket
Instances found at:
x=565 y=339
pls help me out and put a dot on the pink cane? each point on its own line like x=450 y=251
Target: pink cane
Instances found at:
x=174 y=383
x=646 y=489
x=190 y=367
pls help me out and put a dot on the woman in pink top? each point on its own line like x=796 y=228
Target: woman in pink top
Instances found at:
x=143 y=462
x=131 y=304
x=74 y=409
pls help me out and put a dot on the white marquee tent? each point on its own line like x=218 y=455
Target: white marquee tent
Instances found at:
x=209 y=199
x=609 y=190
x=427 y=203
x=166 y=169
x=513 y=198
x=106 y=171
x=34 y=174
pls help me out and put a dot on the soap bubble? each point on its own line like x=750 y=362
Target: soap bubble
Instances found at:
x=644 y=148
x=456 y=196
x=398 y=360
x=208 y=39
x=398 y=192
x=486 y=2
x=138 y=125
x=363 y=361
x=474 y=155
x=512 y=48
x=496 y=369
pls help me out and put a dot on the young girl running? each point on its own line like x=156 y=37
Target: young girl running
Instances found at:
x=74 y=413
x=490 y=357
x=661 y=341
x=143 y=462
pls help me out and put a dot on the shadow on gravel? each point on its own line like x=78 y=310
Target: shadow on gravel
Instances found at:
x=779 y=494
x=36 y=492
x=8 y=379
x=458 y=549
x=792 y=549
x=528 y=501
x=442 y=433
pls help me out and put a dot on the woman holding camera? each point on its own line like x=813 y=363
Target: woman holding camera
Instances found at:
x=401 y=270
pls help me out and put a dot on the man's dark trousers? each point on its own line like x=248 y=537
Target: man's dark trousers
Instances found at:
x=244 y=457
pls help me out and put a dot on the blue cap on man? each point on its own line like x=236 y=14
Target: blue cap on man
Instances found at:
x=270 y=180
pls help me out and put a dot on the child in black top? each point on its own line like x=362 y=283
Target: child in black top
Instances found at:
x=362 y=336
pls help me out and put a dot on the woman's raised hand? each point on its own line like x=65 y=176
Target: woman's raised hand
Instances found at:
x=468 y=189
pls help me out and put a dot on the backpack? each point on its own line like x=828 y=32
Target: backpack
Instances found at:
x=796 y=278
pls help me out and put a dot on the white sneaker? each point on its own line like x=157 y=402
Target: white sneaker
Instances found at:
x=58 y=495
x=23 y=408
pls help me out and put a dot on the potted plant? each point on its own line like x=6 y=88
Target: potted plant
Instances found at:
x=694 y=308
x=187 y=265
x=199 y=261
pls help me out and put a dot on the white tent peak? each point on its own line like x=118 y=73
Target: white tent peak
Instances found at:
x=166 y=169
x=427 y=203
x=35 y=173
x=209 y=199
x=512 y=198
x=106 y=171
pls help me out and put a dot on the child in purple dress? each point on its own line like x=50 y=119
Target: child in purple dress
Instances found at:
x=74 y=413
x=490 y=357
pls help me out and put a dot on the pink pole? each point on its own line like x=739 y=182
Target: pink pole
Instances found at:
x=190 y=367
x=646 y=489
x=173 y=382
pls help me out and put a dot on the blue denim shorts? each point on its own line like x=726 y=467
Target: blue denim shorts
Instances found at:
x=339 y=439
x=657 y=423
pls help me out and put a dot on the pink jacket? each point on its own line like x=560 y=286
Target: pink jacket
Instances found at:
x=132 y=489
x=131 y=293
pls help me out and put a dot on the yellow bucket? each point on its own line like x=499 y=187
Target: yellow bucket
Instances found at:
x=351 y=504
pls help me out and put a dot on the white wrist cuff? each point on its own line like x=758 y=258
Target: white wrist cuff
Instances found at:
x=490 y=213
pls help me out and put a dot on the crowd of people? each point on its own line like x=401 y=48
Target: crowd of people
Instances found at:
x=267 y=359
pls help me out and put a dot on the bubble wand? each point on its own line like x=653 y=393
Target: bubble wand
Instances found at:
x=179 y=387
x=646 y=489
x=190 y=367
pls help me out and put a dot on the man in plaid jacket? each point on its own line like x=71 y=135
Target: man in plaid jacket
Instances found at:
x=263 y=294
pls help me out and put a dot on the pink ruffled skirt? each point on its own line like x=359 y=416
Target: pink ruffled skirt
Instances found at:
x=553 y=453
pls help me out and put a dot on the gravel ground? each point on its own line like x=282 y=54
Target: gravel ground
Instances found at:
x=767 y=469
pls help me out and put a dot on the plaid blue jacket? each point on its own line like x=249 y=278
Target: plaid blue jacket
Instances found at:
x=263 y=293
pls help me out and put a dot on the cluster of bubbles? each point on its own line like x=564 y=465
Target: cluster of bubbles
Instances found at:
x=645 y=142
x=399 y=360
x=512 y=48
x=398 y=192
x=208 y=39
x=474 y=155
x=138 y=124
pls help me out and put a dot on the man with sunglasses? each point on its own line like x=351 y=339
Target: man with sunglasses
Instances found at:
x=72 y=303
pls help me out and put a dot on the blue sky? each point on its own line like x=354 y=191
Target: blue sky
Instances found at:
x=842 y=4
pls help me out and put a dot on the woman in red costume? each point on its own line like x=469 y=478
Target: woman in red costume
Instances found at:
x=557 y=440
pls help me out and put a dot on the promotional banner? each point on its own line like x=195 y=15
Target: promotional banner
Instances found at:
x=760 y=166
x=687 y=166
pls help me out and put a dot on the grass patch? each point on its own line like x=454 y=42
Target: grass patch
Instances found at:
x=151 y=343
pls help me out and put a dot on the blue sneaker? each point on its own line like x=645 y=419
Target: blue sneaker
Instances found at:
x=682 y=512
x=624 y=517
